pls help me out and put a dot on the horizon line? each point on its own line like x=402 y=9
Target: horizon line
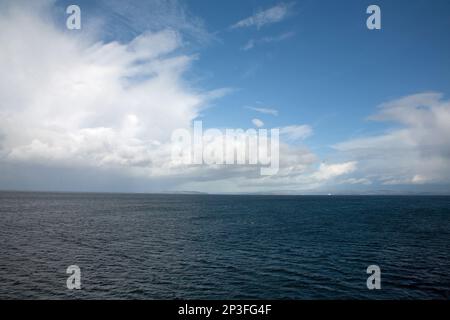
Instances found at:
x=193 y=193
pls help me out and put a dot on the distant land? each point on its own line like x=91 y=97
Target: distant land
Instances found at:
x=274 y=193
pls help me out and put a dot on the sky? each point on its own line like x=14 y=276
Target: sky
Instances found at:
x=359 y=110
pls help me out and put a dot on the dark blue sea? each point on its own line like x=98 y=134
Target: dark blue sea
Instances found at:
x=136 y=246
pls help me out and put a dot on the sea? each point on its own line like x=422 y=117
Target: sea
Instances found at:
x=198 y=246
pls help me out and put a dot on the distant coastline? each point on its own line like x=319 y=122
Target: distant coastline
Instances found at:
x=324 y=194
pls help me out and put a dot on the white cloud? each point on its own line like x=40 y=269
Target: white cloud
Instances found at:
x=298 y=173
x=328 y=171
x=264 y=17
x=70 y=101
x=417 y=152
x=254 y=42
x=270 y=111
x=258 y=123
x=296 y=132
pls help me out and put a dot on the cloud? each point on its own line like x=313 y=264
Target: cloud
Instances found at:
x=254 y=42
x=296 y=132
x=417 y=151
x=265 y=17
x=258 y=123
x=270 y=111
x=82 y=102
x=298 y=173
x=118 y=20
x=74 y=105
x=328 y=171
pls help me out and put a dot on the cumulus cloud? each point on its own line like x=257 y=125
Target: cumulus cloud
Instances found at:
x=71 y=101
x=328 y=171
x=417 y=151
x=298 y=173
x=265 y=17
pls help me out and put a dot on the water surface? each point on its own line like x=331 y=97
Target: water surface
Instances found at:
x=132 y=246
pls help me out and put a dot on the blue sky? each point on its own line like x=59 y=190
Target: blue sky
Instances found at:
x=315 y=64
x=333 y=71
